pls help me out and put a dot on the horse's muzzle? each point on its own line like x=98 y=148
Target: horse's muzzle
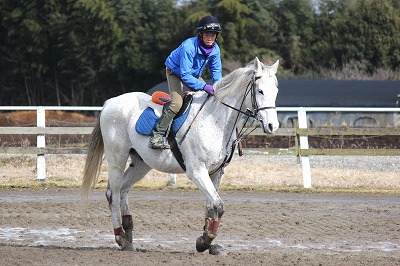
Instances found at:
x=269 y=128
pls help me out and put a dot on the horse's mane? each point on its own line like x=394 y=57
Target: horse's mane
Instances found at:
x=234 y=81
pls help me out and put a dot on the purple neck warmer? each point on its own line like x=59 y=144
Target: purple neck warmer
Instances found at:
x=204 y=49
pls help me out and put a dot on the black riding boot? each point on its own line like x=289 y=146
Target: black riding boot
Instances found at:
x=157 y=141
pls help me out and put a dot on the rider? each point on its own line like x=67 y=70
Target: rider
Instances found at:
x=185 y=65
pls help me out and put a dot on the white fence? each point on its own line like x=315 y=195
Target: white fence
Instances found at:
x=303 y=121
x=301 y=114
x=41 y=123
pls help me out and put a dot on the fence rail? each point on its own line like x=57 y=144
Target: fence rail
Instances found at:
x=301 y=135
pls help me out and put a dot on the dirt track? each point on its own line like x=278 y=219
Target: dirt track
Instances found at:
x=44 y=227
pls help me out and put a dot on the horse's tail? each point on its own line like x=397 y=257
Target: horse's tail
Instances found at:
x=94 y=160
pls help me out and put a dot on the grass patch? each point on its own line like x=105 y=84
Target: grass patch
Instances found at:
x=18 y=161
x=251 y=173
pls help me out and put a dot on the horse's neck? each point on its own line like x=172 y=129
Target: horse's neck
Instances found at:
x=221 y=107
x=234 y=100
x=232 y=91
x=226 y=117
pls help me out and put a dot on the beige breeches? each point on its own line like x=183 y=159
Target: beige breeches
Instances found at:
x=175 y=87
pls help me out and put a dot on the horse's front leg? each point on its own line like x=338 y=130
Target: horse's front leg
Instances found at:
x=212 y=221
x=214 y=212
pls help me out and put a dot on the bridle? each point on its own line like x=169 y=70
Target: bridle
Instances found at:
x=253 y=113
x=249 y=113
x=251 y=88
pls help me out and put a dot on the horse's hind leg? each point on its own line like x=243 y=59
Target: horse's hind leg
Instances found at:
x=116 y=167
x=136 y=171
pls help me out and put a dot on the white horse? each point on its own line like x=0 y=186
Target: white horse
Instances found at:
x=206 y=140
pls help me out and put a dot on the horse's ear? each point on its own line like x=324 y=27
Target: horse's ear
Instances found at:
x=257 y=67
x=274 y=67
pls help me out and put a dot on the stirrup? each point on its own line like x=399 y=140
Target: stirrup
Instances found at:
x=162 y=144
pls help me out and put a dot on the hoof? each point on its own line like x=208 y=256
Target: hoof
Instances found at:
x=200 y=245
x=217 y=250
x=126 y=245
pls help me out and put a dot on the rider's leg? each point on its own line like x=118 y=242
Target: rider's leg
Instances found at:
x=157 y=140
x=175 y=88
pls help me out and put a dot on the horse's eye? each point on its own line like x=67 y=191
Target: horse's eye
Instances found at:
x=260 y=91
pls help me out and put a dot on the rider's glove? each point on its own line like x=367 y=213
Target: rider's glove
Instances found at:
x=209 y=89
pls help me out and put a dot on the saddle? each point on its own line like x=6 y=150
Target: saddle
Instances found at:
x=159 y=101
x=150 y=116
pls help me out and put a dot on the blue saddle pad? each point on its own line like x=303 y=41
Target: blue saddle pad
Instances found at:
x=148 y=120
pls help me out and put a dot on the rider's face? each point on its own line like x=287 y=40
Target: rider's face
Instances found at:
x=209 y=38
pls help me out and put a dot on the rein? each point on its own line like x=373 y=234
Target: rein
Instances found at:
x=187 y=130
x=251 y=88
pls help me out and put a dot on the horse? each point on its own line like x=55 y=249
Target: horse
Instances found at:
x=207 y=141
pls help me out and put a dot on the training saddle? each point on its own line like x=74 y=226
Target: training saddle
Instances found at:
x=150 y=116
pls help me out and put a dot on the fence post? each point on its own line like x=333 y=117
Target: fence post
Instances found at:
x=305 y=160
x=172 y=179
x=41 y=143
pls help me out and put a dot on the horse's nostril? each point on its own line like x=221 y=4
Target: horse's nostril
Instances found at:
x=271 y=127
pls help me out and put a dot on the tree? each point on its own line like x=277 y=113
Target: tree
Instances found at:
x=23 y=52
x=87 y=42
x=376 y=33
x=77 y=52
x=363 y=31
x=262 y=31
x=295 y=19
x=59 y=47
x=147 y=40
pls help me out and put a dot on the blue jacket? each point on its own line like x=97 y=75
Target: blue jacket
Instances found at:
x=188 y=62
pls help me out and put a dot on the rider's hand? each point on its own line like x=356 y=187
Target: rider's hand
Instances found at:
x=209 y=89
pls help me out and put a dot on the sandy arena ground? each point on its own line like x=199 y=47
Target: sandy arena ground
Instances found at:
x=52 y=227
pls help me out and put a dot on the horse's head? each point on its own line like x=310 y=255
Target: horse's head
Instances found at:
x=263 y=95
x=252 y=91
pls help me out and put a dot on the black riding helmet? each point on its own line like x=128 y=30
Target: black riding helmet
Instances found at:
x=209 y=24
